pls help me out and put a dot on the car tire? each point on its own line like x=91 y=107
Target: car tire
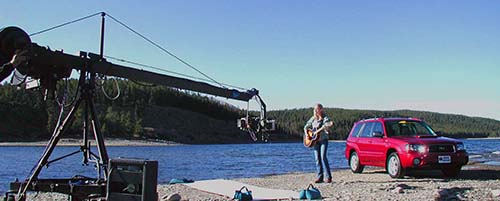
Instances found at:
x=354 y=163
x=394 y=167
x=451 y=172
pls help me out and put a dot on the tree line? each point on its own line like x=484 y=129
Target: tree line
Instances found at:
x=123 y=117
x=159 y=112
x=458 y=126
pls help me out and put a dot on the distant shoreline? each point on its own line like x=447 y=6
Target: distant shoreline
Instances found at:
x=78 y=142
x=116 y=142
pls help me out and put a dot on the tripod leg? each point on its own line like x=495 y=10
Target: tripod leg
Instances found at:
x=50 y=147
x=85 y=145
x=103 y=154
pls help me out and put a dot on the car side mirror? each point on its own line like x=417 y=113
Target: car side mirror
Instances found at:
x=439 y=133
x=378 y=134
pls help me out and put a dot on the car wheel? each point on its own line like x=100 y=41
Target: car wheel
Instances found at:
x=451 y=172
x=394 y=167
x=356 y=167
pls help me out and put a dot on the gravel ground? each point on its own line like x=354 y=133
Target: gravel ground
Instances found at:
x=476 y=182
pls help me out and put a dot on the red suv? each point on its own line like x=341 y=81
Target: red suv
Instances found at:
x=399 y=144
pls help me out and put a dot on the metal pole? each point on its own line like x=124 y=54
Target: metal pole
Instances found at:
x=101 y=53
x=85 y=148
x=101 y=147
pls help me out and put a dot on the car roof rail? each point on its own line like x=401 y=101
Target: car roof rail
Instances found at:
x=402 y=118
x=374 y=118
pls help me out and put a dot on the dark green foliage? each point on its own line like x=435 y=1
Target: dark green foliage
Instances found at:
x=23 y=118
x=457 y=126
x=157 y=112
x=118 y=122
x=122 y=117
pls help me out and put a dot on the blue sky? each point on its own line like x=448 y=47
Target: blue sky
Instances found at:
x=440 y=56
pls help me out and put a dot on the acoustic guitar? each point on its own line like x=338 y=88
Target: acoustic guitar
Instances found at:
x=310 y=138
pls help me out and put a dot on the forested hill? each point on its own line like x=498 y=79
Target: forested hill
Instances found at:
x=157 y=112
x=457 y=126
x=140 y=112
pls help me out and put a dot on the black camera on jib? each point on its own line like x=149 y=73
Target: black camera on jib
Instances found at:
x=256 y=124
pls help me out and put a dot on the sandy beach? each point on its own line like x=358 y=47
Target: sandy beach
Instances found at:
x=476 y=182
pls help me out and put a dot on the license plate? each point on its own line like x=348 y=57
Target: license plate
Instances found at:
x=444 y=159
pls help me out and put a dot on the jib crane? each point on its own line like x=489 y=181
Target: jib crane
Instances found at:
x=19 y=53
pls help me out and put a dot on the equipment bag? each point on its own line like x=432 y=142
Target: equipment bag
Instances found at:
x=310 y=193
x=243 y=196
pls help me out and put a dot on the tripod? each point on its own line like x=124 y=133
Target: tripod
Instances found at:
x=86 y=85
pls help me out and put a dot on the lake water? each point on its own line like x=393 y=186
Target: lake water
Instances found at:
x=199 y=162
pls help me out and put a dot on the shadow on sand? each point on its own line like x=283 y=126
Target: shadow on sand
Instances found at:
x=481 y=173
x=467 y=174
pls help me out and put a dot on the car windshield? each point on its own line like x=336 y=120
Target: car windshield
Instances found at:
x=408 y=128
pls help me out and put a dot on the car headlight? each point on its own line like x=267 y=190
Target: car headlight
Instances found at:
x=416 y=148
x=460 y=147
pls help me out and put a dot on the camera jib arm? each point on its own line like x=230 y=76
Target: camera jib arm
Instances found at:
x=57 y=62
x=51 y=66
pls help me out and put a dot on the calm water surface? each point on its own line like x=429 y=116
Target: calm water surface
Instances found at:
x=199 y=162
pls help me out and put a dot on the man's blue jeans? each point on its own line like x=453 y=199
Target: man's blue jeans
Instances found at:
x=320 y=154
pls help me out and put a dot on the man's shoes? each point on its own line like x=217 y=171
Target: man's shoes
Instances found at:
x=329 y=180
x=319 y=181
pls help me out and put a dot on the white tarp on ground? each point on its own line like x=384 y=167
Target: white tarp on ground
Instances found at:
x=227 y=188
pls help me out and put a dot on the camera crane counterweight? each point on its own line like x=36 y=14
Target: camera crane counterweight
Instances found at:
x=50 y=66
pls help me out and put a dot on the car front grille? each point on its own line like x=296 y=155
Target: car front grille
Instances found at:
x=441 y=148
